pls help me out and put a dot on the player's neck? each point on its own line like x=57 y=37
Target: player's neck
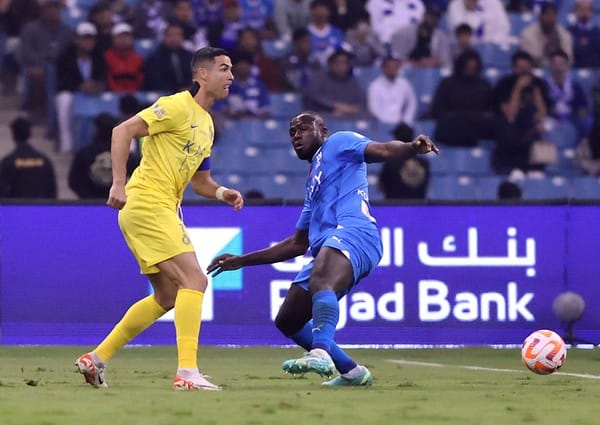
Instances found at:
x=204 y=100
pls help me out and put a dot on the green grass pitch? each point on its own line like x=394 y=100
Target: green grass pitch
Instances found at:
x=39 y=385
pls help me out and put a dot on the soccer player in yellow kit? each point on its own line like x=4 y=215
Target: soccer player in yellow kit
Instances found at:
x=179 y=135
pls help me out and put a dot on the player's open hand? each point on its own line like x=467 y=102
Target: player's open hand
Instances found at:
x=233 y=198
x=423 y=144
x=222 y=263
x=116 y=196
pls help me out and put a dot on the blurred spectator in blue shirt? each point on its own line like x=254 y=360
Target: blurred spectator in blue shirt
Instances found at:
x=257 y=14
x=325 y=37
x=248 y=95
x=224 y=33
x=300 y=64
x=207 y=12
x=167 y=69
x=150 y=18
x=194 y=37
x=586 y=36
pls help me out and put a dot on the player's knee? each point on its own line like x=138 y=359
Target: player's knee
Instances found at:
x=287 y=325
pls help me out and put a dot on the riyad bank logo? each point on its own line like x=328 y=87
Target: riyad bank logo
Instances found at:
x=210 y=242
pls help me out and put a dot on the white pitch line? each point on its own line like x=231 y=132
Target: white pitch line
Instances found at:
x=486 y=369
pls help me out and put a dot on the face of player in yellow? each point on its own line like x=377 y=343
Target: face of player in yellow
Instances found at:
x=307 y=134
x=217 y=78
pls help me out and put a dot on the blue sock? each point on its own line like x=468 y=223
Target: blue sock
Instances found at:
x=326 y=313
x=304 y=338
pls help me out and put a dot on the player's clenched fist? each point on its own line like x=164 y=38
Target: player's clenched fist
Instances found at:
x=116 y=197
x=423 y=144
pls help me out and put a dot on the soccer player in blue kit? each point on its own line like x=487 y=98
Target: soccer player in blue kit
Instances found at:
x=337 y=224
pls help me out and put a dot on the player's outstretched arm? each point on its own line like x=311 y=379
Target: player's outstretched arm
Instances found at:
x=204 y=185
x=289 y=248
x=119 y=154
x=396 y=149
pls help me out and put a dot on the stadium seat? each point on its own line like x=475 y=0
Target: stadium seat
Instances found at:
x=586 y=78
x=268 y=133
x=488 y=187
x=425 y=82
x=277 y=186
x=286 y=162
x=276 y=49
x=562 y=133
x=426 y=127
x=285 y=105
x=545 y=188
x=518 y=21
x=366 y=74
x=468 y=161
x=585 y=188
x=243 y=159
x=84 y=109
x=565 y=166
x=144 y=47
x=452 y=188
x=496 y=56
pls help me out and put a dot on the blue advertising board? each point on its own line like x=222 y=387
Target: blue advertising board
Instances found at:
x=449 y=275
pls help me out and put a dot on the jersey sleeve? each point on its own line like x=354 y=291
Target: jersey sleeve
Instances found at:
x=163 y=115
x=303 y=222
x=350 y=146
x=205 y=165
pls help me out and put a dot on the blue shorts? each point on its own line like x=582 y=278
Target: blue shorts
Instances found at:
x=362 y=248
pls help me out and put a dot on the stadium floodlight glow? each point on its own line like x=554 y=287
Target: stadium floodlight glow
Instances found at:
x=568 y=308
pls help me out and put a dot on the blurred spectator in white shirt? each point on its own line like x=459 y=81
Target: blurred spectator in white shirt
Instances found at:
x=390 y=97
x=487 y=18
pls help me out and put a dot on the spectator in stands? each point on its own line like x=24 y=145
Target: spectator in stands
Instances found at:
x=424 y=44
x=404 y=178
x=300 y=64
x=207 y=12
x=336 y=90
x=519 y=6
x=587 y=154
x=291 y=15
x=150 y=18
x=325 y=37
x=14 y=14
x=25 y=172
x=194 y=37
x=567 y=99
x=521 y=103
x=463 y=104
x=42 y=42
x=266 y=68
x=366 y=47
x=224 y=33
x=90 y=175
x=167 y=69
x=388 y=17
x=391 y=98
x=508 y=190
x=123 y=63
x=102 y=16
x=463 y=40
x=545 y=36
x=257 y=14
x=248 y=95
x=487 y=18
x=345 y=14
x=586 y=36
x=81 y=68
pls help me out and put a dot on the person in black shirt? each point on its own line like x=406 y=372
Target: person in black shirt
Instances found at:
x=91 y=170
x=26 y=172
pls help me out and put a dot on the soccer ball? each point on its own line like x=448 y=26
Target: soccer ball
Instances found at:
x=543 y=352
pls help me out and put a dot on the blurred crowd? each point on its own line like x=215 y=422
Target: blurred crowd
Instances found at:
x=519 y=79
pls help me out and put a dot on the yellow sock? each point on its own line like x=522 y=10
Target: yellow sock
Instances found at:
x=139 y=317
x=188 y=309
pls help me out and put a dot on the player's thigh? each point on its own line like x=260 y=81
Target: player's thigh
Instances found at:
x=295 y=311
x=184 y=271
x=165 y=290
x=332 y=270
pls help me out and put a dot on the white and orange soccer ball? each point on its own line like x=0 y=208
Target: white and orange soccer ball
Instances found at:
x=543 y=352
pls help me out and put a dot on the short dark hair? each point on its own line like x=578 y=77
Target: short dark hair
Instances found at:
x=463 y=29
x=520 y=54
x=403 y=132
x=206 y=54
x=548 y=7
x=20 y=128
x=300 y=33
x=509 y=190
x=317 y=3
x=129 y=105
x=309 y=117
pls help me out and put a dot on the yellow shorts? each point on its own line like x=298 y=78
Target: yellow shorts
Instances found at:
x=153 y=231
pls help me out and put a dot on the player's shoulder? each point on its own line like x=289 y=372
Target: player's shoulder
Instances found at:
x=340 y=137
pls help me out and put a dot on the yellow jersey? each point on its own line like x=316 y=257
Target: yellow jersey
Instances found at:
x=180 y=137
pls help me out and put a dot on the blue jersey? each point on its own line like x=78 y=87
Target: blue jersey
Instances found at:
x=337 y=189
